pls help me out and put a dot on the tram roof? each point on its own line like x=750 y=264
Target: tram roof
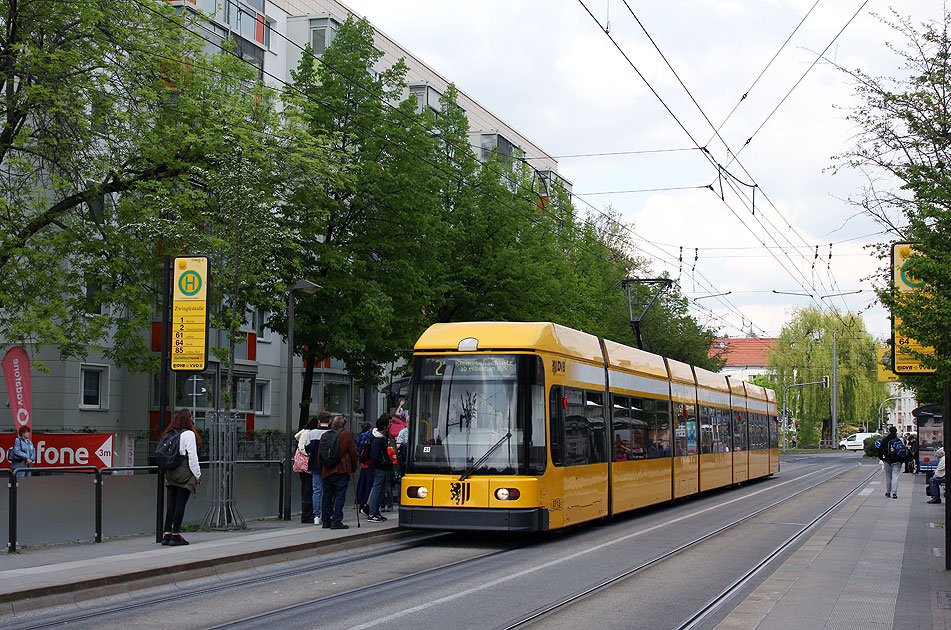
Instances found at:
x=711 y=380
x=736 y=387
x=680 y=372
x=544 y=336
x=755 y=392
x=635 y=360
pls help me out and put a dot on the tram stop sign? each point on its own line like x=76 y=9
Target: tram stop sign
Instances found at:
x=190 y=313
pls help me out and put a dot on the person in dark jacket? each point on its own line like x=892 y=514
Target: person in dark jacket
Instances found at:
x=891 y=465
x=337 y=478
x=365 y=480
x=382 y=464
x=911 y=465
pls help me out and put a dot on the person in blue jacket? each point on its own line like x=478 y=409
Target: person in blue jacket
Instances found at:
x=24 y=455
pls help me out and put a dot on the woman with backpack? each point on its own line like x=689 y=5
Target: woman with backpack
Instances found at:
x=182 y=481
x=893 y=453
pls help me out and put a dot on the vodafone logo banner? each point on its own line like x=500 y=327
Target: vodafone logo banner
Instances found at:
x=16 y=374
x=64 y=449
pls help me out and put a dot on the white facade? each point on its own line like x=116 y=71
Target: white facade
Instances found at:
x=898 y=411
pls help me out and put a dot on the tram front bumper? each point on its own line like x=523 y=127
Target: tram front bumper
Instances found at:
x=474 y=519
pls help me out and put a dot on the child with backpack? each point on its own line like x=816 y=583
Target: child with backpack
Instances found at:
x=893 y=453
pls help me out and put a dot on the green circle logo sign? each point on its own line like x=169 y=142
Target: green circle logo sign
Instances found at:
x=190 y=283
x=909 y=279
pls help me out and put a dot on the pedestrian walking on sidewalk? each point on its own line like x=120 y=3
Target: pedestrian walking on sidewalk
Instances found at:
x=893 y=454
x=301 y=467
x=22 y=454
x=337 y=455
x=937 y=479
x=313 y=467
x=181 y=482
x=382 y=465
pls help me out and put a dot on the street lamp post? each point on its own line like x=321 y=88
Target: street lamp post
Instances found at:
x=835 y=391
x=307 y=287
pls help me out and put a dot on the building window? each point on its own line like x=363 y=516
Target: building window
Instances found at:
x=242 y=390
x=93 y=386
x=195 y=391
x=259 y=324
x=93 y=304
x=426 y=97
x=322 y=33
x=262 y=397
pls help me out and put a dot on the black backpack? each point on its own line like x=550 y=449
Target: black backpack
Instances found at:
x=330 y=449
x=167 y=456
x=897 y=451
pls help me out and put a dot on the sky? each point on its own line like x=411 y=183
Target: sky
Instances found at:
x=548 y=69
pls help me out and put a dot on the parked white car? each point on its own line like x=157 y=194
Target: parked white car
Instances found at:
x=855 y=442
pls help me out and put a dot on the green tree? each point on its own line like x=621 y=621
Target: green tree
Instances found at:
x=359 y=223
x=83 y=84
x=904 y=149
x=803 y=353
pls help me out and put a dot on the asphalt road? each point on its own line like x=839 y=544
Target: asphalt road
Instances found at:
x=489 y=581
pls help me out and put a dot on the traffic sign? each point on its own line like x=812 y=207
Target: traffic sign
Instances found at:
x=190 y=313
x=906 y=351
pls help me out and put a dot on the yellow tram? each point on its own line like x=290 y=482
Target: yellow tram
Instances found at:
x=535 y=426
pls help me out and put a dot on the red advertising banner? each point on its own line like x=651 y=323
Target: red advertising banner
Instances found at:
x=64 y=449
x=16 y=374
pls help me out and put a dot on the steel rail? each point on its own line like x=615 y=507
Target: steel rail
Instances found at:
x=711 y=606
x=372 y=552
x=237 y=623
x=535 y=615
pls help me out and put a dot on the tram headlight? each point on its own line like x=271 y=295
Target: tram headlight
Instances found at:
x=417 y=492
x=507 y=494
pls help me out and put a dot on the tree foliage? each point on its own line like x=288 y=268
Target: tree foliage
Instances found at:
x=803 y=354
x=904 y=149
x=82 y=85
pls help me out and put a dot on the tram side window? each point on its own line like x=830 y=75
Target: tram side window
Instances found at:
x=706 y=429
x=739 y=431
x=723 y=439
x=763 y=431
x=556 y=401
x=685 y=429
x=623 y=425
x=577 y=426
x=650 y=431
x=773 y=432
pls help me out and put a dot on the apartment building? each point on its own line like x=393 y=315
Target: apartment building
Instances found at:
x=94 y=394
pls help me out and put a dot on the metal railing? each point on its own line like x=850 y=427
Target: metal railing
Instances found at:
x=98 y=475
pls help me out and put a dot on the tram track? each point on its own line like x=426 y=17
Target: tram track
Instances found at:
x=444 y=571
x=374 y=552
x=301 y=610
x=693 y=620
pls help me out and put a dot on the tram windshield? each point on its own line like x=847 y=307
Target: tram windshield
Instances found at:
x=463 y=408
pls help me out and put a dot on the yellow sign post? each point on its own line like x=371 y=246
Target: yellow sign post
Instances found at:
x=905 y=350
x=190 y=314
